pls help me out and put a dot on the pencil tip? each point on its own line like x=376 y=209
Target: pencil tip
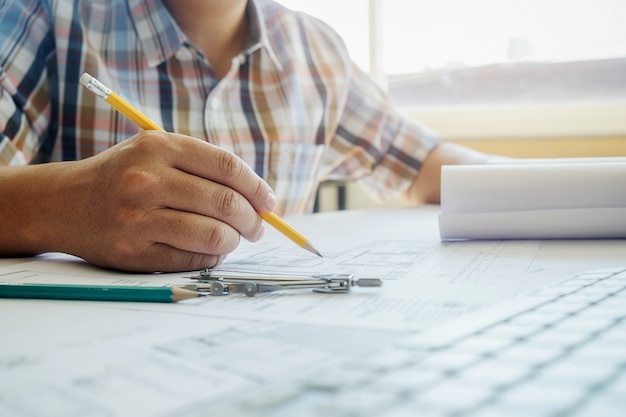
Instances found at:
x=312 y=249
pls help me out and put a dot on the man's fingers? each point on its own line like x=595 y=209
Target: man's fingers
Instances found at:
x=208 y=161
x=192 y=194
x=192 y=232
x=175 y=241
x=169 y=202
x=159 y=257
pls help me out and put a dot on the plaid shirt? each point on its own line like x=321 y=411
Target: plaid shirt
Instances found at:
x=293 y=105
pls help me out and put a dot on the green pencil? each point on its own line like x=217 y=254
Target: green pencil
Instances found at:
x=96 y=292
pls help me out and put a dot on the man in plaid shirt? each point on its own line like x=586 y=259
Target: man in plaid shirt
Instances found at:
x=265 y=104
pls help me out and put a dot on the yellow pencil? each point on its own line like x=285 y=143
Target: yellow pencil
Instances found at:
x=287 y=230
x=124 y=107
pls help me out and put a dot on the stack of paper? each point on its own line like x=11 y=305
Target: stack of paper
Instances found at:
x=534 y=199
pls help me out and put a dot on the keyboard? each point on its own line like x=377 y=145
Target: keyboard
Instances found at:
x=560 y=351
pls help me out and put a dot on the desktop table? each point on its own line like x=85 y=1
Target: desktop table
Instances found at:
x=143 y=359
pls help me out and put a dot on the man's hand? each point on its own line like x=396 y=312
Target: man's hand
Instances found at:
x=426 y=188
x=156 y=202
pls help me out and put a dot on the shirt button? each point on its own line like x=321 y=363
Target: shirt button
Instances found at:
x=182 y=54
x=215 y=103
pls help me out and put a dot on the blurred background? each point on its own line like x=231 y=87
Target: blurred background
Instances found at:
x=524 y=78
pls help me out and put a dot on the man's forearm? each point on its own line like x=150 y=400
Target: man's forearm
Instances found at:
x=426 y=188
x=31 y=200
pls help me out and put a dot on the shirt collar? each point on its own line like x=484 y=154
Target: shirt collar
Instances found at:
x=257 y=33
x=160 y=35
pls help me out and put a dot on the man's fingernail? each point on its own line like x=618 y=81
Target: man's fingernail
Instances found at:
x=259 y=234
x=270 y=202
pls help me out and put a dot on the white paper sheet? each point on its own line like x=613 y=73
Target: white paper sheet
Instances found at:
x=65 y=358
x=85 y=359
x=553 y=199
x=544 y=224
x=425 y=281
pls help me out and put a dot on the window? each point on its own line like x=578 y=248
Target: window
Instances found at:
x=497 y=51
x=486 y=68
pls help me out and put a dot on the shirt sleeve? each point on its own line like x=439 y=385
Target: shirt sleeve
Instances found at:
x=382 y=148
x=370 y=140
x=26 y=44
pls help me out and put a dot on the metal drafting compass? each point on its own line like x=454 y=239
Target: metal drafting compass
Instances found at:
x=209 y=282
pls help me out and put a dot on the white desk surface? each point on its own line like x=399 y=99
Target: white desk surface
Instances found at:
x=117 y=359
